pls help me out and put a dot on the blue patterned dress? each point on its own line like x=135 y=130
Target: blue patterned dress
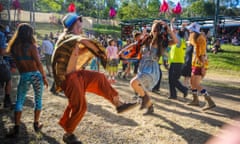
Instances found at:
x=148 y=71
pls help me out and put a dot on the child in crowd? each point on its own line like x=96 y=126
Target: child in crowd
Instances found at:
x=112 y=55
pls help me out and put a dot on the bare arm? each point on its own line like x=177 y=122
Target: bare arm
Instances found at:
x=126 y=48
x=36 y=58
x=173 y=39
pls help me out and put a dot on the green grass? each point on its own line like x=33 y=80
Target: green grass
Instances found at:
x=111 y=32
x=100 y=26
x=46 y=28
x=226 y=61
x=114 y=31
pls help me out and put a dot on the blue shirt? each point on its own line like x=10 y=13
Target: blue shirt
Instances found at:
x=2 y=40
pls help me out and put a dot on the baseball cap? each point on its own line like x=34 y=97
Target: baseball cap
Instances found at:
x=195 y=27
x=70 y=19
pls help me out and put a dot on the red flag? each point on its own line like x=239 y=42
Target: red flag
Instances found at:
x=112 y=12
x=71 y=7
x=164 y=7
x=177 y=9
x=16 y=4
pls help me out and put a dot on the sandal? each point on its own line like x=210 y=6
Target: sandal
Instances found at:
x=71 y=139
x=37 y=127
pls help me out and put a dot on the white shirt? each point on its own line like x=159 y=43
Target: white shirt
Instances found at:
x=47 y=47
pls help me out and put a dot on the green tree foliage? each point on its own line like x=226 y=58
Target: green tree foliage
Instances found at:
x=129 y=11
x=202 y=8
x=153 y=8
x=49 y=5
x=133 y=9
x=229 y=11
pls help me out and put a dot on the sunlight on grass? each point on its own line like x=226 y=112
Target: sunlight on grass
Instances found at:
x=46 y=28
x=226 y=61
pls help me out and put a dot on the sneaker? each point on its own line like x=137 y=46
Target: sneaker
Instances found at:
x=126 y=106
x=71 y=139
x=7 y=102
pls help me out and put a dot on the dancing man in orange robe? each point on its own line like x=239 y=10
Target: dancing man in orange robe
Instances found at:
x=72 y=52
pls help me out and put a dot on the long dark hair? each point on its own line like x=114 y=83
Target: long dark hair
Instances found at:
x=161 y=39
x=22 y=37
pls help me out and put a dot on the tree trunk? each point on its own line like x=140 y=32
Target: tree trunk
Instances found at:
x=8 y=11
x=33 y=13
x=30 y=11
x=14 y=17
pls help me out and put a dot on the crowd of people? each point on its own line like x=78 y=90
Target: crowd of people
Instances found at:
x=181 y=51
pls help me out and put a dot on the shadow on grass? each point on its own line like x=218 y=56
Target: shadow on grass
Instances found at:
x=233 y=86
x=218 y=92
x=47 y=138
x=192 y=136
x=4 y=114
x=168 y=102
x=110 y=117
x=225 y=93
x=231 y=52
x=192 y=115
x=25 y=136
x=223 y=112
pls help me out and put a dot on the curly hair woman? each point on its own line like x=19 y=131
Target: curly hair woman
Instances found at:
x=148 y=70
